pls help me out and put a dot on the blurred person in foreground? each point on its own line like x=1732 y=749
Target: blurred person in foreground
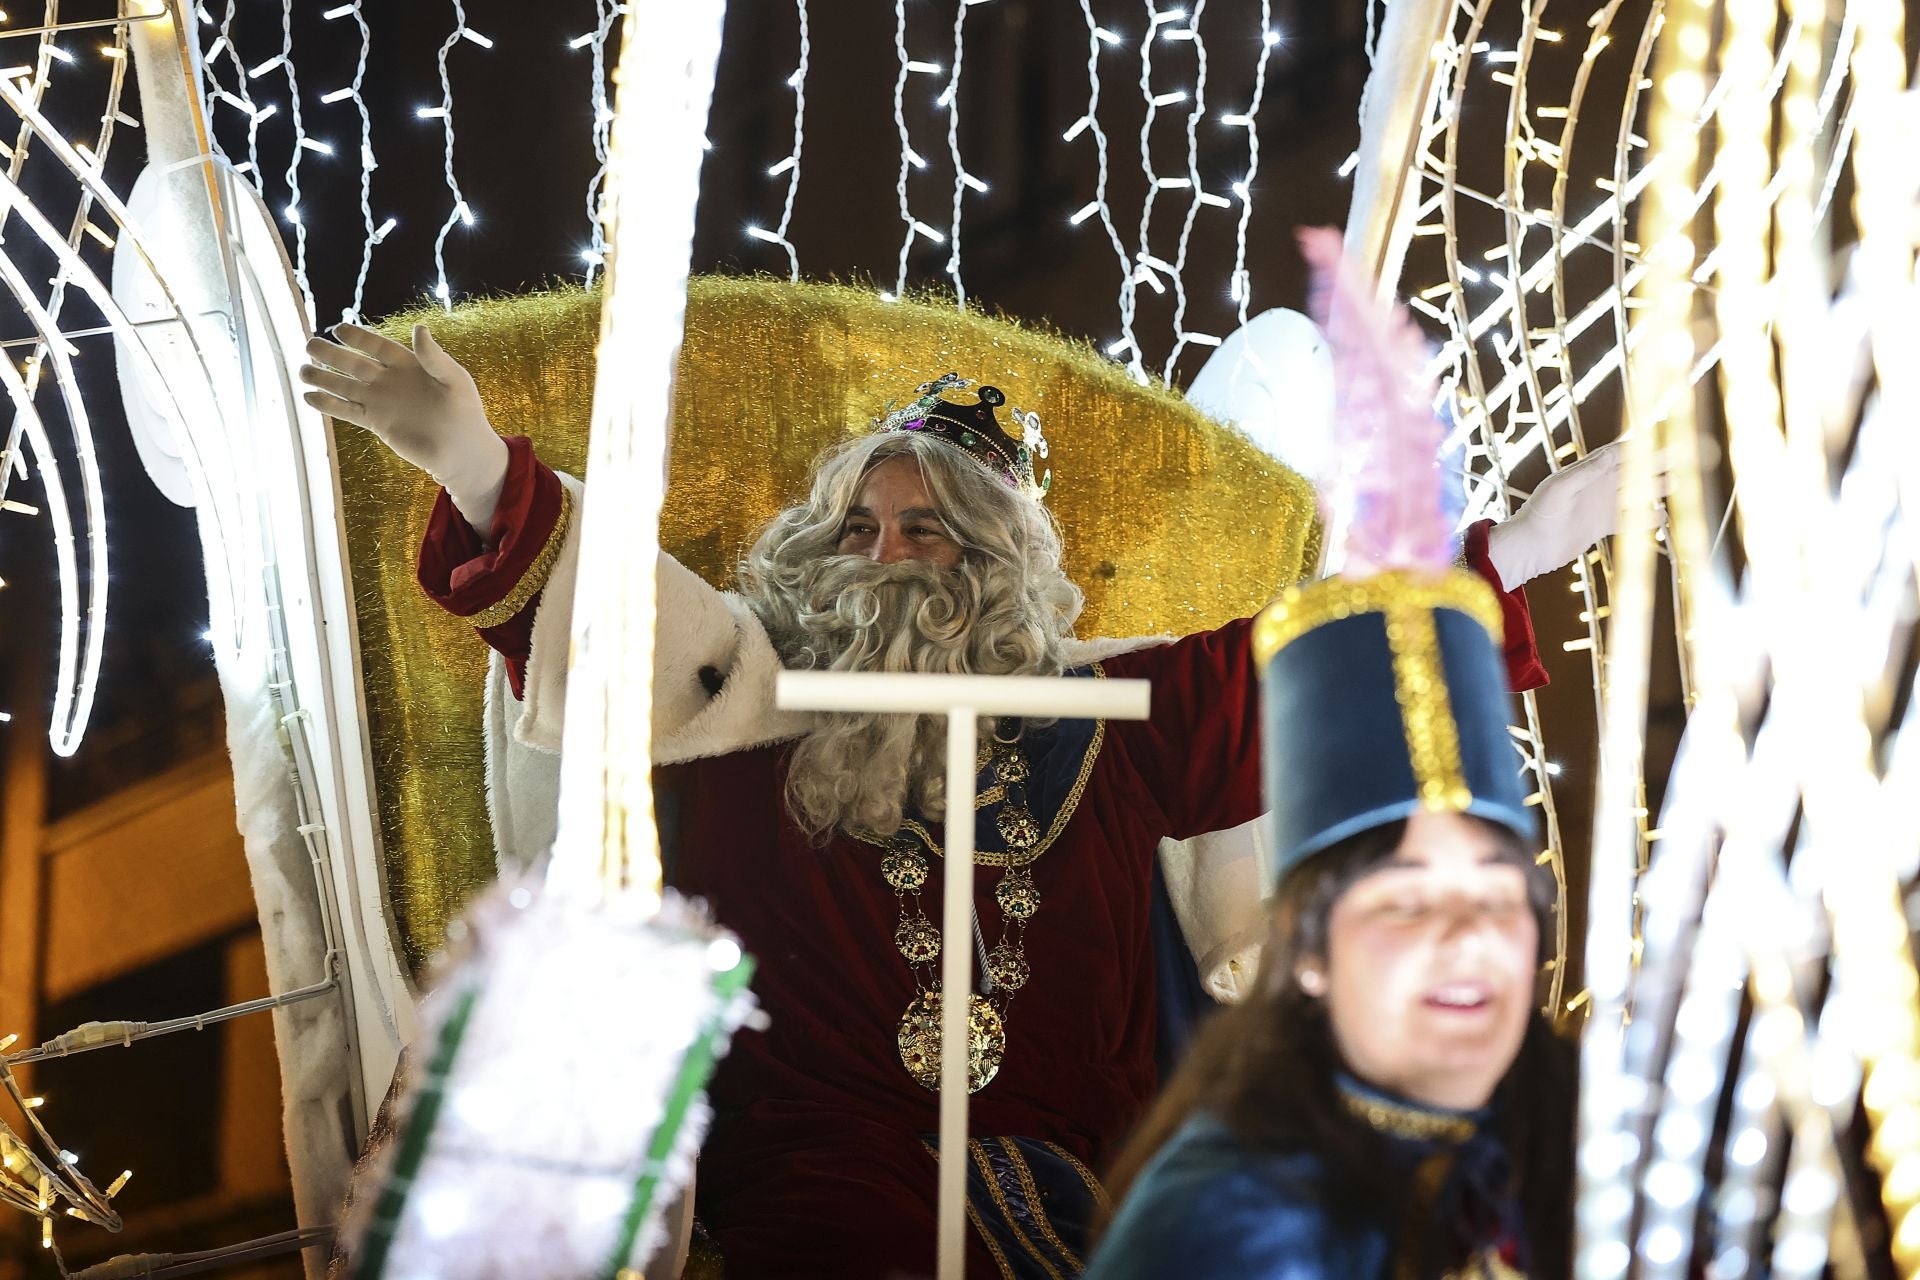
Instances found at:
x=1388 y=1102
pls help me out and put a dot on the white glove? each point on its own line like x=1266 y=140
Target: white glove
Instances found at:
x=421 y=403
x=1273 y=378
x=1569 y=512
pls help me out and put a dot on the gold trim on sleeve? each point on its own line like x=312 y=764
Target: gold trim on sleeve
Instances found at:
x=535 y=578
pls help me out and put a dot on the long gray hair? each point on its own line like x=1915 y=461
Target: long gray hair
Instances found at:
x=1006 y=609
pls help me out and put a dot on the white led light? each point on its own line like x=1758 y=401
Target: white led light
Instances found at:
x=581 y=42
x=275 y=62
x=463 y=211
x=338 y=11
x=782 y=167
x=1105 y=36
x=338 y=95
x=59 y=53
x=381 y=232
x=925 y=68
x=468 y=33
x=430 y=113
x=1077 y=128
x=314 y=144
x=1171 y=98
x=1085 y=211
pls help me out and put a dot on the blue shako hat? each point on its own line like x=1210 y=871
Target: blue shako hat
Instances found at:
x=1382 y=696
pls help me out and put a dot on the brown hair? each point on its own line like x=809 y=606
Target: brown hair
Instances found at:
x=1267 y=1067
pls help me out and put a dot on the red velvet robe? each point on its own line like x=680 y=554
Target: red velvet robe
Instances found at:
x=815 y=1166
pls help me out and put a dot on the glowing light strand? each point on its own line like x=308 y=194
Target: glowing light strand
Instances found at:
x=370 y=236
x=460 y=212
x=1099 y=38
x=239 y=97
x=952 y=99
x=791 y=165
x=1197 y=196
x=907 y=153
x=1142 y=272
x=295 y=155
x=606 y=12
x=1240 y=283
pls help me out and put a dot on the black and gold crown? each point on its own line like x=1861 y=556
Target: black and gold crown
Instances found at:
x=973 y=429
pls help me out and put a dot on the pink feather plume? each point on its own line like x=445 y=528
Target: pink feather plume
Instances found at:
x=1385 y=504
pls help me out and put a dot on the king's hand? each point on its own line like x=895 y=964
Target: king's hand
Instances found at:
x=422 y=404
x=1571 y=510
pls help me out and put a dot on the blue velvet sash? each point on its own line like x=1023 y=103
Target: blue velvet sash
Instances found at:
x=1032 y=1203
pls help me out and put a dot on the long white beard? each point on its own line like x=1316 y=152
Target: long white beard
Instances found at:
x=845 y=613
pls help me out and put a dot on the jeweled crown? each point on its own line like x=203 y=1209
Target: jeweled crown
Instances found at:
x=973 y=429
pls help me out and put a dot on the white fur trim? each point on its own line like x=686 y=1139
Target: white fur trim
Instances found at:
x=1213 y=881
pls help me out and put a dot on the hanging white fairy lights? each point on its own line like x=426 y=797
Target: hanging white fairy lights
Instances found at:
x=789 y=167
x=460 y=212
x=1145 y=266
x=238 y=96
x=1100 y=39
x=601 y=112
x=910 y=160
x=1197 y=194
x=1240 y=283
x=302 y=144
x=370 y=235
x=950 y=98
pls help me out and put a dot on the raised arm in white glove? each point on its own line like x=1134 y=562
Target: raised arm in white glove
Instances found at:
x=1570 y=511
x=421 y=403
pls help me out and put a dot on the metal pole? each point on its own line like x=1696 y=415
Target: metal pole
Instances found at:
x=956 y=989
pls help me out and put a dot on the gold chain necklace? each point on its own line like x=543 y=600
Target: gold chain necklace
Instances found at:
x=906 y=869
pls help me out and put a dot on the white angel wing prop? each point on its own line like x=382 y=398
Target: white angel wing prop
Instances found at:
x=1273 y=378
x=205 y=316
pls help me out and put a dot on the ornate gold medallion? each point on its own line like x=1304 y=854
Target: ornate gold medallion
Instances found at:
x=905 y=870
x=1017 y=827
x=1008 y=965
x=920 y=1041
x=1010 y=767
x=1017 y=895
x=918 y=940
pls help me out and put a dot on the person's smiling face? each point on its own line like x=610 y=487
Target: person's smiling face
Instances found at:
x=894 y=518
x=1430 y=965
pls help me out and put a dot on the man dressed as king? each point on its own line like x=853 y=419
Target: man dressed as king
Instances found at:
x=922 y=546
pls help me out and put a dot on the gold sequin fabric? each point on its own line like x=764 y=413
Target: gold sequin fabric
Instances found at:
x=1172 y=523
